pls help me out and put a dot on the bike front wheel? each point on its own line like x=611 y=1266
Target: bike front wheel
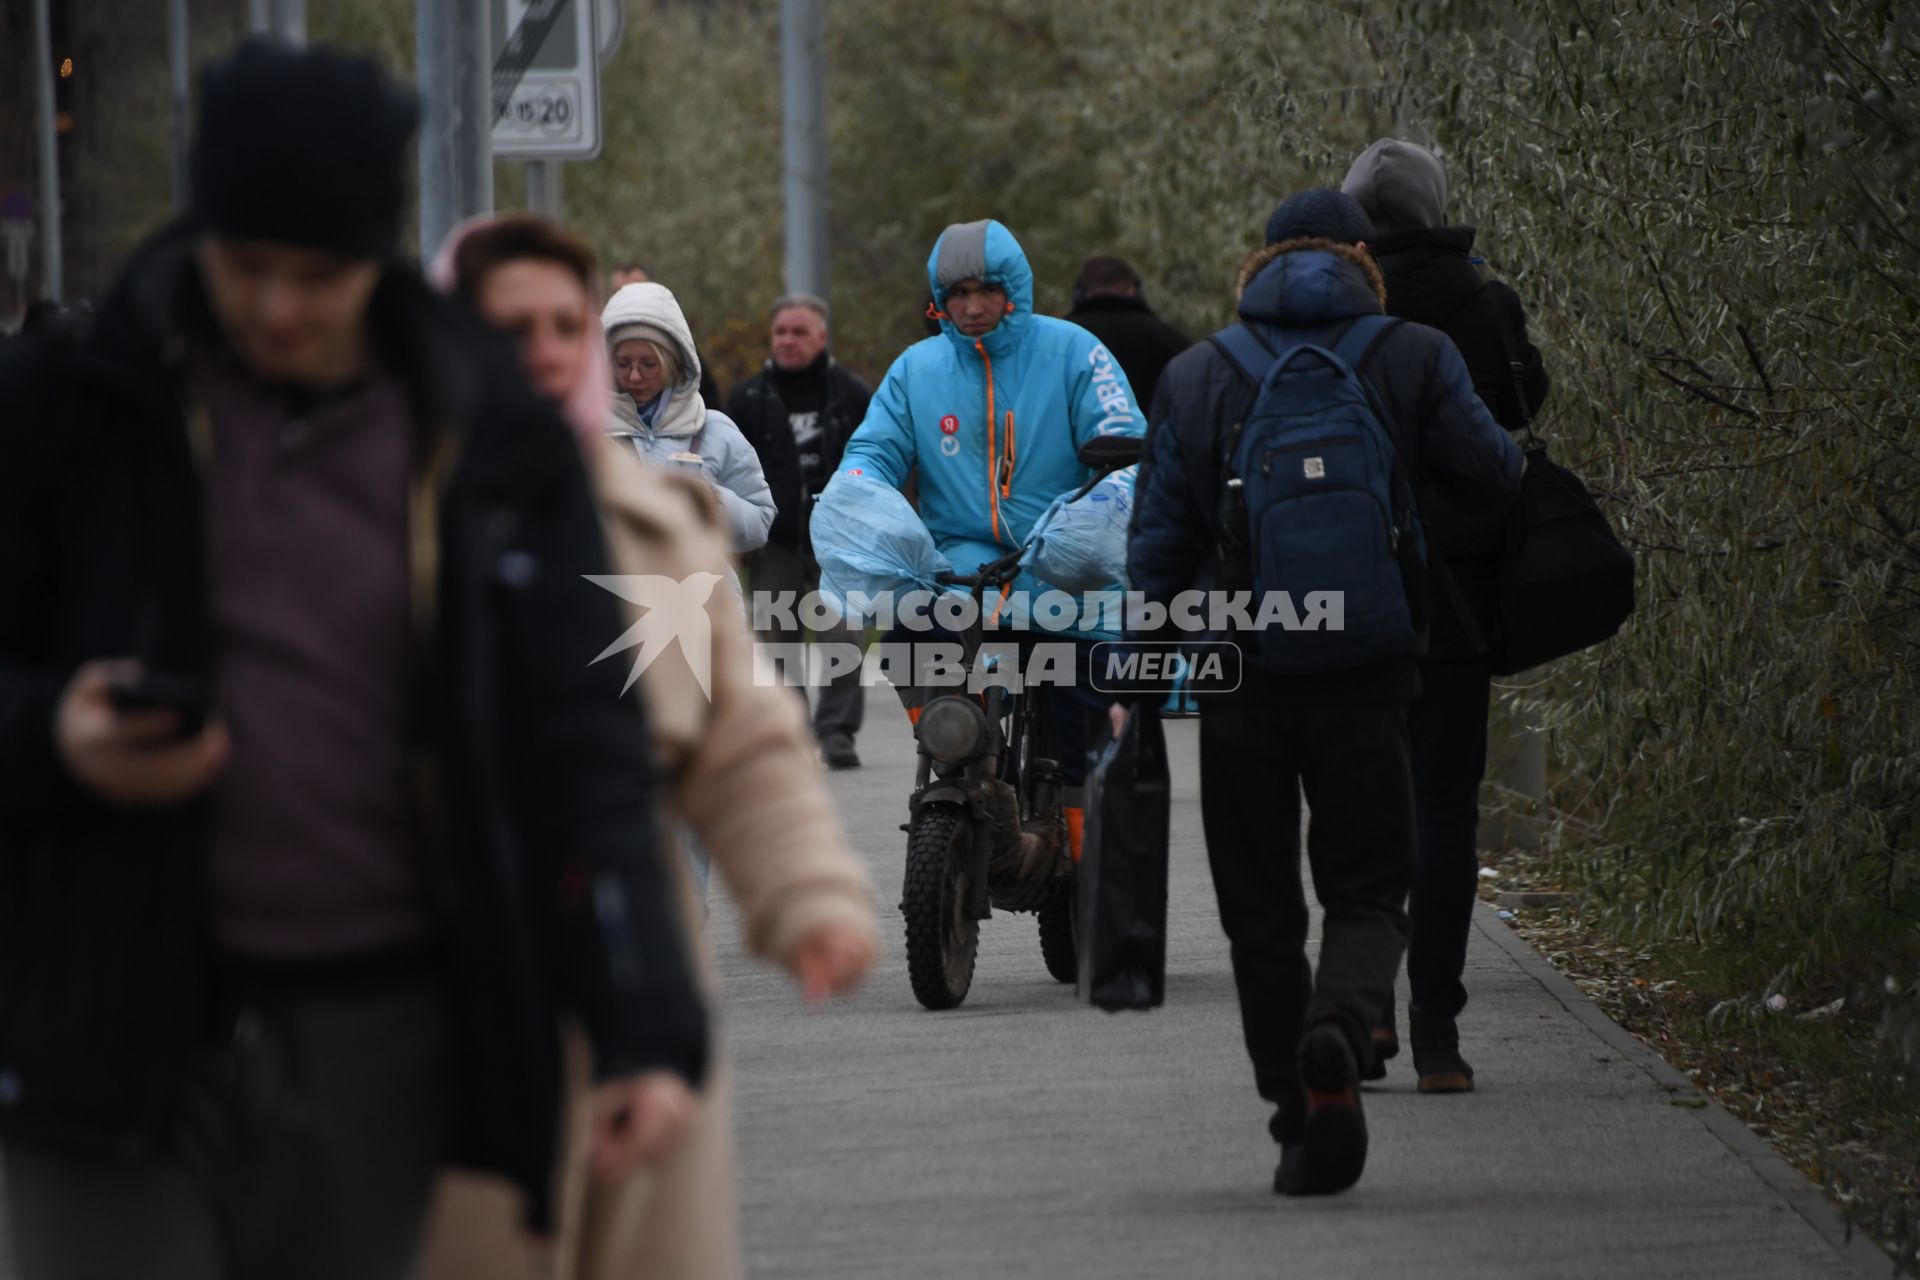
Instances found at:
x=942 y=937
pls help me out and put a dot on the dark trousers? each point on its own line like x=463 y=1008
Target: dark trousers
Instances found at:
x=1447 y=725
x=307 y=1148
x=840 y=707
x=1352 y=763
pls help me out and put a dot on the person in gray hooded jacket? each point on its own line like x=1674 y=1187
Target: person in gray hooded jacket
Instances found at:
x=658 y=410
x=1433 y=278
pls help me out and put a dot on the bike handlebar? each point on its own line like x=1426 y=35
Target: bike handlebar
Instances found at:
x=999 y=571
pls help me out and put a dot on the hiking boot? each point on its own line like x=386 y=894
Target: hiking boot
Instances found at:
x=1436 y=1054
x=1332 y=1150
x=1386 y=1044
x=836 y=752
x=1020 y=873
x=1288 y=1174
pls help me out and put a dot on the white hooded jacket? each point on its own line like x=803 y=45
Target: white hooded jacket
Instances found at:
x=682 y=423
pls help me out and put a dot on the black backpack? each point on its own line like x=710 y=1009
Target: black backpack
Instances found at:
x=1566 y=582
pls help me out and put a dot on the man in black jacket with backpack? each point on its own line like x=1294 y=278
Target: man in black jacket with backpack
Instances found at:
x=1321 y=711
x=1432 y=279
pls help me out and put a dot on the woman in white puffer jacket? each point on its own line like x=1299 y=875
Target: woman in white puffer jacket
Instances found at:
x=657 y=409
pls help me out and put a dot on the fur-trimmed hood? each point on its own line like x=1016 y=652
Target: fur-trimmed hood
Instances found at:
x=1302 y=283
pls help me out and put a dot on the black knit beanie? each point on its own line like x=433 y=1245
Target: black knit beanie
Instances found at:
x=304 y=147
x=1319 y=213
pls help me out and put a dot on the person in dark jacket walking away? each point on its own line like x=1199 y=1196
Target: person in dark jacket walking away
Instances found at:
x=1110 y=302
x=317 y=819
x=798 y=413
x=1432 y=279
x=1340 y=735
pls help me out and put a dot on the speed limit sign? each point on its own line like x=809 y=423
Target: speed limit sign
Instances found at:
x=553 y=110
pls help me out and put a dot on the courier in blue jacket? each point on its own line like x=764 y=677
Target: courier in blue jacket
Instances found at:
x=992 y=412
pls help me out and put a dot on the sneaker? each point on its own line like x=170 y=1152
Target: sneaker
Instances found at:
x=1436 y=1054
x=836 y=752
x=1333 y=1146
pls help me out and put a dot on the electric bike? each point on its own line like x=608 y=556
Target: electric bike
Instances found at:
x=967 y=741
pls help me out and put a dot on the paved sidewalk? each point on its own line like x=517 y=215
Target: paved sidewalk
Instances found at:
x=1022 y=1135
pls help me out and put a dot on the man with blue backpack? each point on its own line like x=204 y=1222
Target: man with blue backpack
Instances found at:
x=1283 y=460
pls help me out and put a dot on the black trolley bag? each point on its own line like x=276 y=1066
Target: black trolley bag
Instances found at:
x=1120 y=907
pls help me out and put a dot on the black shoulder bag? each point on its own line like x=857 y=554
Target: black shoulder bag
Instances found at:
x=1566 y=581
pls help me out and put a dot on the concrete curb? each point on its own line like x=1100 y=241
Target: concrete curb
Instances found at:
x=1801 y=1195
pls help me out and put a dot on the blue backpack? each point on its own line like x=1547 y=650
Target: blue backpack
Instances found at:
x=1318 y=501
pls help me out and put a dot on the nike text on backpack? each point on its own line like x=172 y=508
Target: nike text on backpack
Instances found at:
x=1317 y=500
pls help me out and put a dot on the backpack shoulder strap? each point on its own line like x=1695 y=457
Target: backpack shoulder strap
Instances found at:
x=1356 y=345
x=1246 y=351
x=1361 y=338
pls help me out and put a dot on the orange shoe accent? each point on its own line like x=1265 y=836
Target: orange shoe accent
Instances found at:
x=1076 y=829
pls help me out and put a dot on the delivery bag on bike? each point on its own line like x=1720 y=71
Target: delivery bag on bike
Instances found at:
x=1080 y=544
x=1121 y=888
x=870 y=543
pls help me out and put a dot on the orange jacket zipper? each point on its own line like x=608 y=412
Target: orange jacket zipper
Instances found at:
x=993 y=480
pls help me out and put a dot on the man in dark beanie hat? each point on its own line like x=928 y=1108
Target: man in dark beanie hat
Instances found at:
x=316 y=815
x=1335 y=727
x=1319 y=213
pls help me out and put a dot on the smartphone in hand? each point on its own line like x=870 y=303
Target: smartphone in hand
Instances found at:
x=185 y=696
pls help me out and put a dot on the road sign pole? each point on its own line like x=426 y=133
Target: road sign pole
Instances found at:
x=804 y=100
x=544 y=193
x=433 y=72
x=51 y=284
x=456 y=160
x=290 y=20
x=472 y=135
x=178 y=124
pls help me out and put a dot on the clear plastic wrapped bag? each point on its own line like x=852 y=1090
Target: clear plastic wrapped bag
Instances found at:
x=1081 y=545
x=869 y=541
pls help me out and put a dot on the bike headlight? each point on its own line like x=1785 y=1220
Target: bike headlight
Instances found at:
x=952 y=729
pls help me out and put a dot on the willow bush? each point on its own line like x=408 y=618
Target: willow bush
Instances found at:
x=1709 y=207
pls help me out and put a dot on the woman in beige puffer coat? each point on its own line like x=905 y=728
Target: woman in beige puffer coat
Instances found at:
x=742 y=775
